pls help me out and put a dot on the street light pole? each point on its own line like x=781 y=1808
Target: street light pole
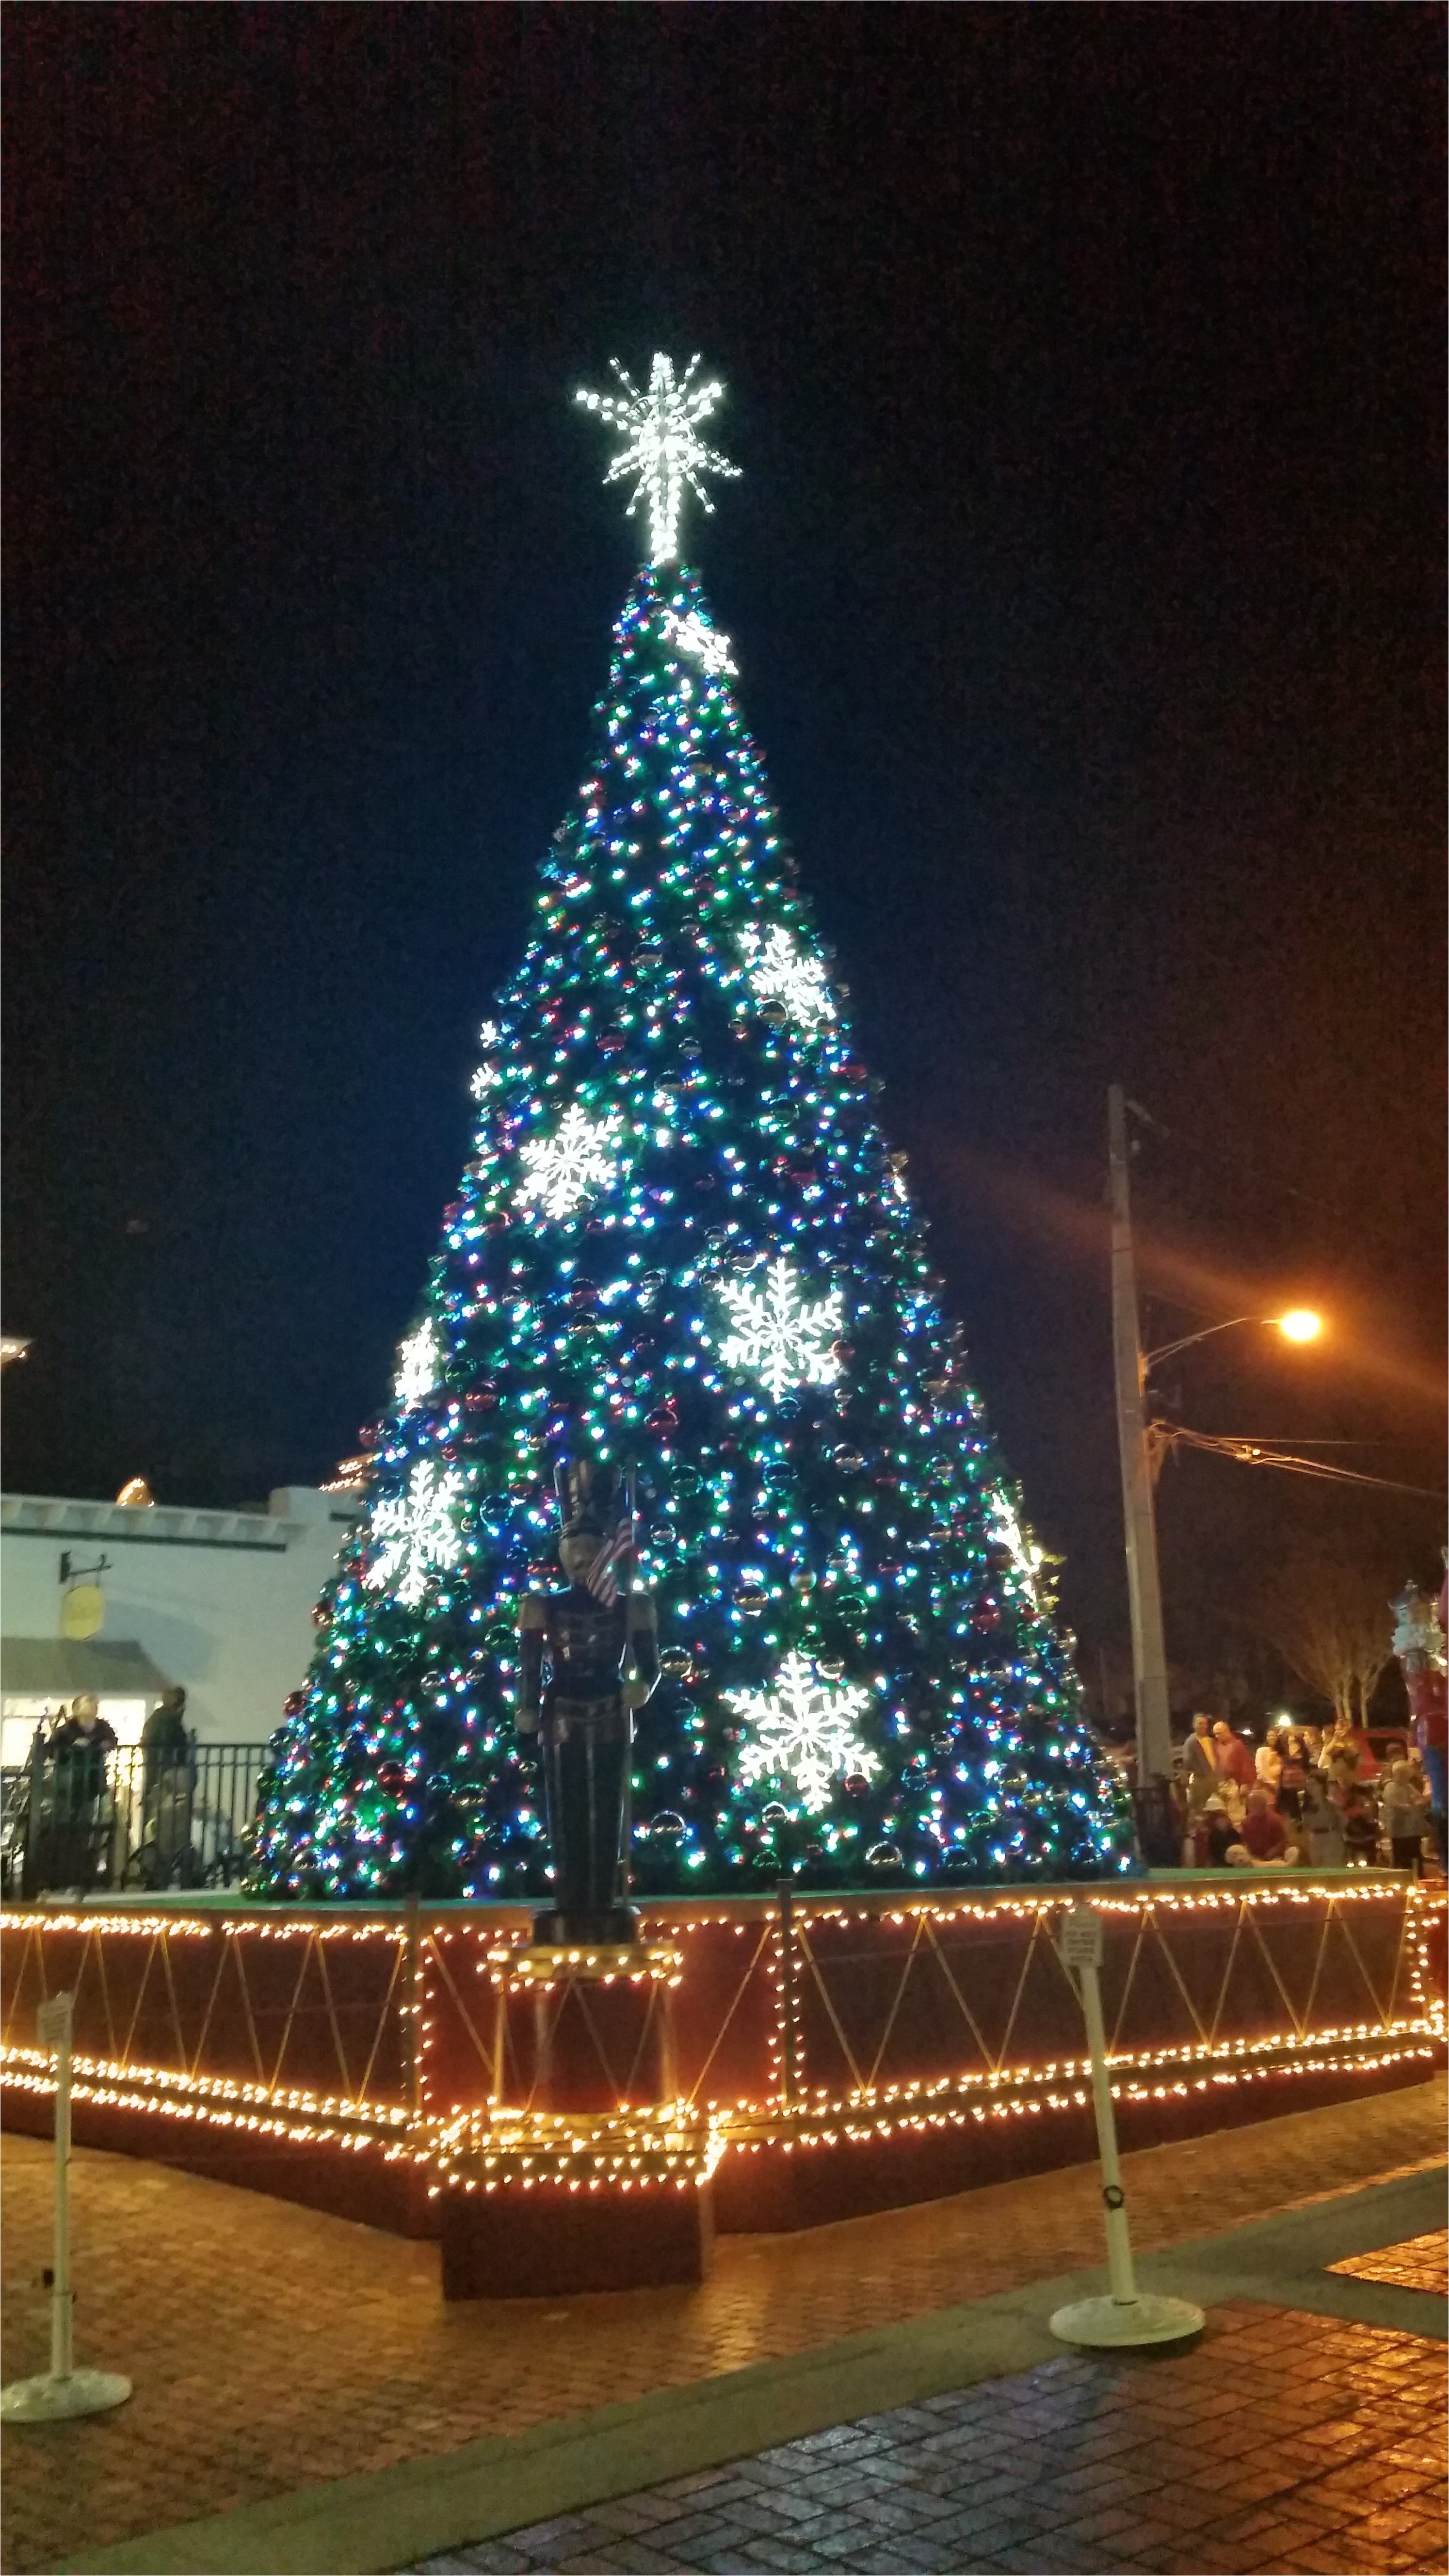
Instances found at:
x=1144 y=1588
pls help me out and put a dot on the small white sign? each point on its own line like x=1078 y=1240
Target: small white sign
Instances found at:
x=52 y=2021
x=1081 y=1938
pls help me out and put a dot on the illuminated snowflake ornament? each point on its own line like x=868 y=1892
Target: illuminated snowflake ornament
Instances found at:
x=664 y=450
x=418 y=1534
x=704 y=644
x=781 y=972
x=803 y=1731
x=564 y=1169
x=1005 y=1527
x=418 y=1362
x=488 y=1076
x=780 y=1336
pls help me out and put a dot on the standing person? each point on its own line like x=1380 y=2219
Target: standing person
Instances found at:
x=1232 y=1757
x=1313 y=1747
x=1366 y=1770
x=1293 y=1777
x=1340 y=1754
x=1199 y=1770
x=1322 y=1822
x=77 y=1756
x=1405 y=1814
x=1268 y=1760
x=168 y=1782
x=164 y=1740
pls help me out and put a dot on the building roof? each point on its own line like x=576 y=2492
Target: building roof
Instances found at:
x=58 y=1667
x=65 y=1516
x=179 y=1525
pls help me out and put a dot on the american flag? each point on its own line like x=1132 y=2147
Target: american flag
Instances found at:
x=603 y=1575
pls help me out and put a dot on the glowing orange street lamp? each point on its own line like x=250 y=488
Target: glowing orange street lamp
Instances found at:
x=1300 y=1324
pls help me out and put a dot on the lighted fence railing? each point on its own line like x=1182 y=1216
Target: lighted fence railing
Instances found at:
x=819 y=2055
x=109 y=1820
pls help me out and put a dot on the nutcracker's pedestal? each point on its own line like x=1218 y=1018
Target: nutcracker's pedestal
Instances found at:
x=585 y=2172
x=556 y=2239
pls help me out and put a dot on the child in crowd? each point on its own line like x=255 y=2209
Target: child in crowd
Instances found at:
x=1405 y=1815
x=1360 y=1826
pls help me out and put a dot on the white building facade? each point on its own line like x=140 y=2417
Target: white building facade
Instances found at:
x=220 y=1602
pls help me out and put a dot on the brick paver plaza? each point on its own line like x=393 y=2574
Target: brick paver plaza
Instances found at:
x=1248 y=2453
x=273 y=2348
x=1420 y=2264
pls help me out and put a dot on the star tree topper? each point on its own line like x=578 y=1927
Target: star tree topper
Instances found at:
x=778 y=1335
x=803 y=1731
x=664 y=450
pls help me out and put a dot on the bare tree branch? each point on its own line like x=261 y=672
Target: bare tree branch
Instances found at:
x=1329 y=1618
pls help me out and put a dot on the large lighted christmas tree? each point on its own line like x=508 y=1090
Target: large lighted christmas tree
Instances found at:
x=681 y=1245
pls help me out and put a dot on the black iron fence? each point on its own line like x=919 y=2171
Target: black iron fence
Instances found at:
x=127 y=1821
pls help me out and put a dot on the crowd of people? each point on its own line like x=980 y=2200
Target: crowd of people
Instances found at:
x=1306 y=1797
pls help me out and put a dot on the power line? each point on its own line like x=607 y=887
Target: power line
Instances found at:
x=1253 y=1454
x=1274 y=1439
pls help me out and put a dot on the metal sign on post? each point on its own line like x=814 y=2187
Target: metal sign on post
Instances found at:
x=1081 y=1937
x=1127 y=2315
x=62 y=2391
x=52 y=2022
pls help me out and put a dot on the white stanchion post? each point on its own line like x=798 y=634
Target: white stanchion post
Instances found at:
x=1127 y=2315
x=63 y=2392
x=54 y=2026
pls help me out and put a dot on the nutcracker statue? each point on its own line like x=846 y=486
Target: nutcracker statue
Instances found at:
x=1420 y=1645
x=590 y=1658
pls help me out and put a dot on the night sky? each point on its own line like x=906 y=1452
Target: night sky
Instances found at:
x=1085 y=367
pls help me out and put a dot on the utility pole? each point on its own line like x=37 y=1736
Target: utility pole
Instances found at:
x=1149 y=1653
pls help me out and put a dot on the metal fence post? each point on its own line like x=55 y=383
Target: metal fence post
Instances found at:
x=414 y=2010
x=788 y=2070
